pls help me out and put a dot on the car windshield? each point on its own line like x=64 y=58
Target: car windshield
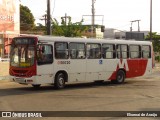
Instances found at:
x=22 y=55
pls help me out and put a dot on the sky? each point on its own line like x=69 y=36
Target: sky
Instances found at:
x=111 y=13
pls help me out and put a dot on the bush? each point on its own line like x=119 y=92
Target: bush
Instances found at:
x=157 y=58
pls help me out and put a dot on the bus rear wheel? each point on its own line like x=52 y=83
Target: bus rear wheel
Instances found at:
x=120 y=77
x=59 y=81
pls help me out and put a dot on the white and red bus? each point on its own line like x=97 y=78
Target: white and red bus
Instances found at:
x=40 y=60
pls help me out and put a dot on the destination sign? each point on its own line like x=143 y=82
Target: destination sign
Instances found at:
x=23 y=41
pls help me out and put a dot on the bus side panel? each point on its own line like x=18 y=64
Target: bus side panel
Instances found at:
x=92 y=69
x=107 y=67
x=148 y=69
x=45 y=73
x=77 y=70
x=137 y=67
x=100 y=69
x=134 y=68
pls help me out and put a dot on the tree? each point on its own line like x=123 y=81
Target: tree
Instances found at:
x=68 y=29
x=26 y=19
x=56 y=29
x=155 y=41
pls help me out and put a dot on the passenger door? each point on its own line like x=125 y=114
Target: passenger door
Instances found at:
x=45 y=63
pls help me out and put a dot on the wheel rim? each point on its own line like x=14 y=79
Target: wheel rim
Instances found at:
x=60 y=81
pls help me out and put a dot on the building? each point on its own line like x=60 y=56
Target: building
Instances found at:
x=96 y=33
x=9 y=23
x=114 y=33
x=118 y=34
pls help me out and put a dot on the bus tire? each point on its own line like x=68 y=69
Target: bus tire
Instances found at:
x=36 y=86
x=59 y=82
x=120 y=77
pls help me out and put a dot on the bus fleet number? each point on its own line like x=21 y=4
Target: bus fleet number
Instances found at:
x=63 y=62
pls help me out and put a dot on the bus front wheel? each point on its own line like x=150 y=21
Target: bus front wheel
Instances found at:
x=59 y=81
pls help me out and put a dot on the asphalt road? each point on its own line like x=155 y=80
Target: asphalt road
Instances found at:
x=136 y=94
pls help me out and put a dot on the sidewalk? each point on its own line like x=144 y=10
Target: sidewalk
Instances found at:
x=4 y=70
x=157 y=67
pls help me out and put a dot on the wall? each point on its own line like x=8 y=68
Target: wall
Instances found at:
x=9 y=23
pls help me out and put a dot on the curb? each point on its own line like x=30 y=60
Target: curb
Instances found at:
x=4 y=78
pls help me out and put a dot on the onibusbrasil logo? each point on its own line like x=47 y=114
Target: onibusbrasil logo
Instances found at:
x=21 y=114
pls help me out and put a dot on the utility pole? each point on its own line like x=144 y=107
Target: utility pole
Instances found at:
x=48 y=18
x=93 y=16
x=131 y=28
x=44 y=18
x=131 y=25
x=138 y=25
x=150 y=20
x=65 y=17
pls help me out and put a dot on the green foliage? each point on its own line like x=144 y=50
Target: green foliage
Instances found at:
x=157 y=58
x=56 y=29
x=68 y=29
x=39 y=27
x=26 y=19
x=155 y=41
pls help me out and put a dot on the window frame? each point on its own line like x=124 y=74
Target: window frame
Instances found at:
x=77 y=49
x=67 y=50
x=48 y=62
x=139 y=52
x=121 y=52
x=146 y=51
x=100 y=55
x=113 y=51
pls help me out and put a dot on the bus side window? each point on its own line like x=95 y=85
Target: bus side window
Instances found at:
x=61 y=50
x=93 y=51
x=135 y=51
x=77 y=50
x=118 y=50
x=122 y=51
x=108 y=51
x=81 y=54
x=73 y=54
x=44 y=54
x=146 y=51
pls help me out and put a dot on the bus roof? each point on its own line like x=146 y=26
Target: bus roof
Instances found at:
x=90 y=40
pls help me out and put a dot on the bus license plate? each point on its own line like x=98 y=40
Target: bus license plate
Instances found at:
x=20 y=80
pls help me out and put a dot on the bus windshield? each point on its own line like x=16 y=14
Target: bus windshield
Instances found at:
x=22 y=55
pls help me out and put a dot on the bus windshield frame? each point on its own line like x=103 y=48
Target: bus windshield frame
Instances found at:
x=23 y=52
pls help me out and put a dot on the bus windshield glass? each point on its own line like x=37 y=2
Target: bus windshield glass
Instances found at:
x=22 y=53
